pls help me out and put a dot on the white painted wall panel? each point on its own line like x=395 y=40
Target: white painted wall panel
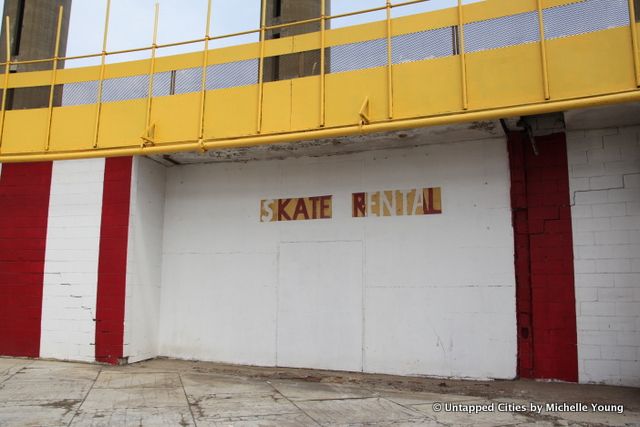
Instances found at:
x=320 y=315
x=144 y=260
x=71 y=260
x=407 y=295
x=604 y=180
x=219 y=306
x=440 y=331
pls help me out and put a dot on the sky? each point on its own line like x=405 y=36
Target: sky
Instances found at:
x=131 y=23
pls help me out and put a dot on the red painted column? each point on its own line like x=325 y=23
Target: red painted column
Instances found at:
x=547 y=337
x=24 y=212
x=112 y=264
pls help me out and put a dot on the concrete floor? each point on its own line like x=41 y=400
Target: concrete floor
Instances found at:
x=178 y=393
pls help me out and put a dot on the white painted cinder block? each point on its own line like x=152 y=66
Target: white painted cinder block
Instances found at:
x=71 y=260
x=144 y=260
x=608 y=210
x=320 y=297
x=606 y=253
x=401 y=295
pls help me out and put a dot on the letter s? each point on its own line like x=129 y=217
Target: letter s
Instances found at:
x=266 y=211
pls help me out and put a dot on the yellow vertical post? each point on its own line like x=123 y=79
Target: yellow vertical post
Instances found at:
x=152 y=70
x=389 y=62
x=543 y=52
x=7 y=70
x=323 y=60
x=634 y=40
x=101 y=81
x=463 y=57
x=263 y=24
x=54 y=72
x=203 y=87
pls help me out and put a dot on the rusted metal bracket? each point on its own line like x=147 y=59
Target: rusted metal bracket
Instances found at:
x=201 y=147
x=365 y=112
x=528 y=129
x=148 y=139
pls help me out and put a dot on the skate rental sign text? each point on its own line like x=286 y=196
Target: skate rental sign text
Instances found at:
x=417 y=201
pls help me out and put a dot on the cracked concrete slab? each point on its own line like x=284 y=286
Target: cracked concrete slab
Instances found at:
x=422 y=422
x=135 y=417
x=582 y=418
x=242 y=406
x=170 y=392
x=17 y=392
x=35 y=415
x=299 y=391
x=199 y=385
x=282 y=420
x=130 y=398
x=9 y=367
x=413 y=398
x=357 y=411
x=112 y=379
x=479 y=419
x=45 y=370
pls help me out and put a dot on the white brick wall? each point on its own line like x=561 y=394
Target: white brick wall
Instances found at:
x=428 y=295
x=144 y=260
x=71 y=260
x=605 y=187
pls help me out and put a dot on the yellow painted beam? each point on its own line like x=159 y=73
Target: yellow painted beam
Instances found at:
x=193 y=145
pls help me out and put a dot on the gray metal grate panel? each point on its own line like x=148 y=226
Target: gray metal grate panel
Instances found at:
x=585 y=17
x=502 y=32
x=125 y=88
x=233 y=74
x=423 y=45
x=188 y=80
x=357 y=56
x=162 y=84
x=80 y=93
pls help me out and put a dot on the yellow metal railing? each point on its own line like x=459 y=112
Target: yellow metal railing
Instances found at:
x=7 y=67
x=633 y=13
x=593 y=68
x=103 y=59
x=52 y=89
x=149 y=134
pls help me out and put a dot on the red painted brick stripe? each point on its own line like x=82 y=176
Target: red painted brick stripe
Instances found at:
x=545 y=294
x=24 y=212
x=112 y=264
